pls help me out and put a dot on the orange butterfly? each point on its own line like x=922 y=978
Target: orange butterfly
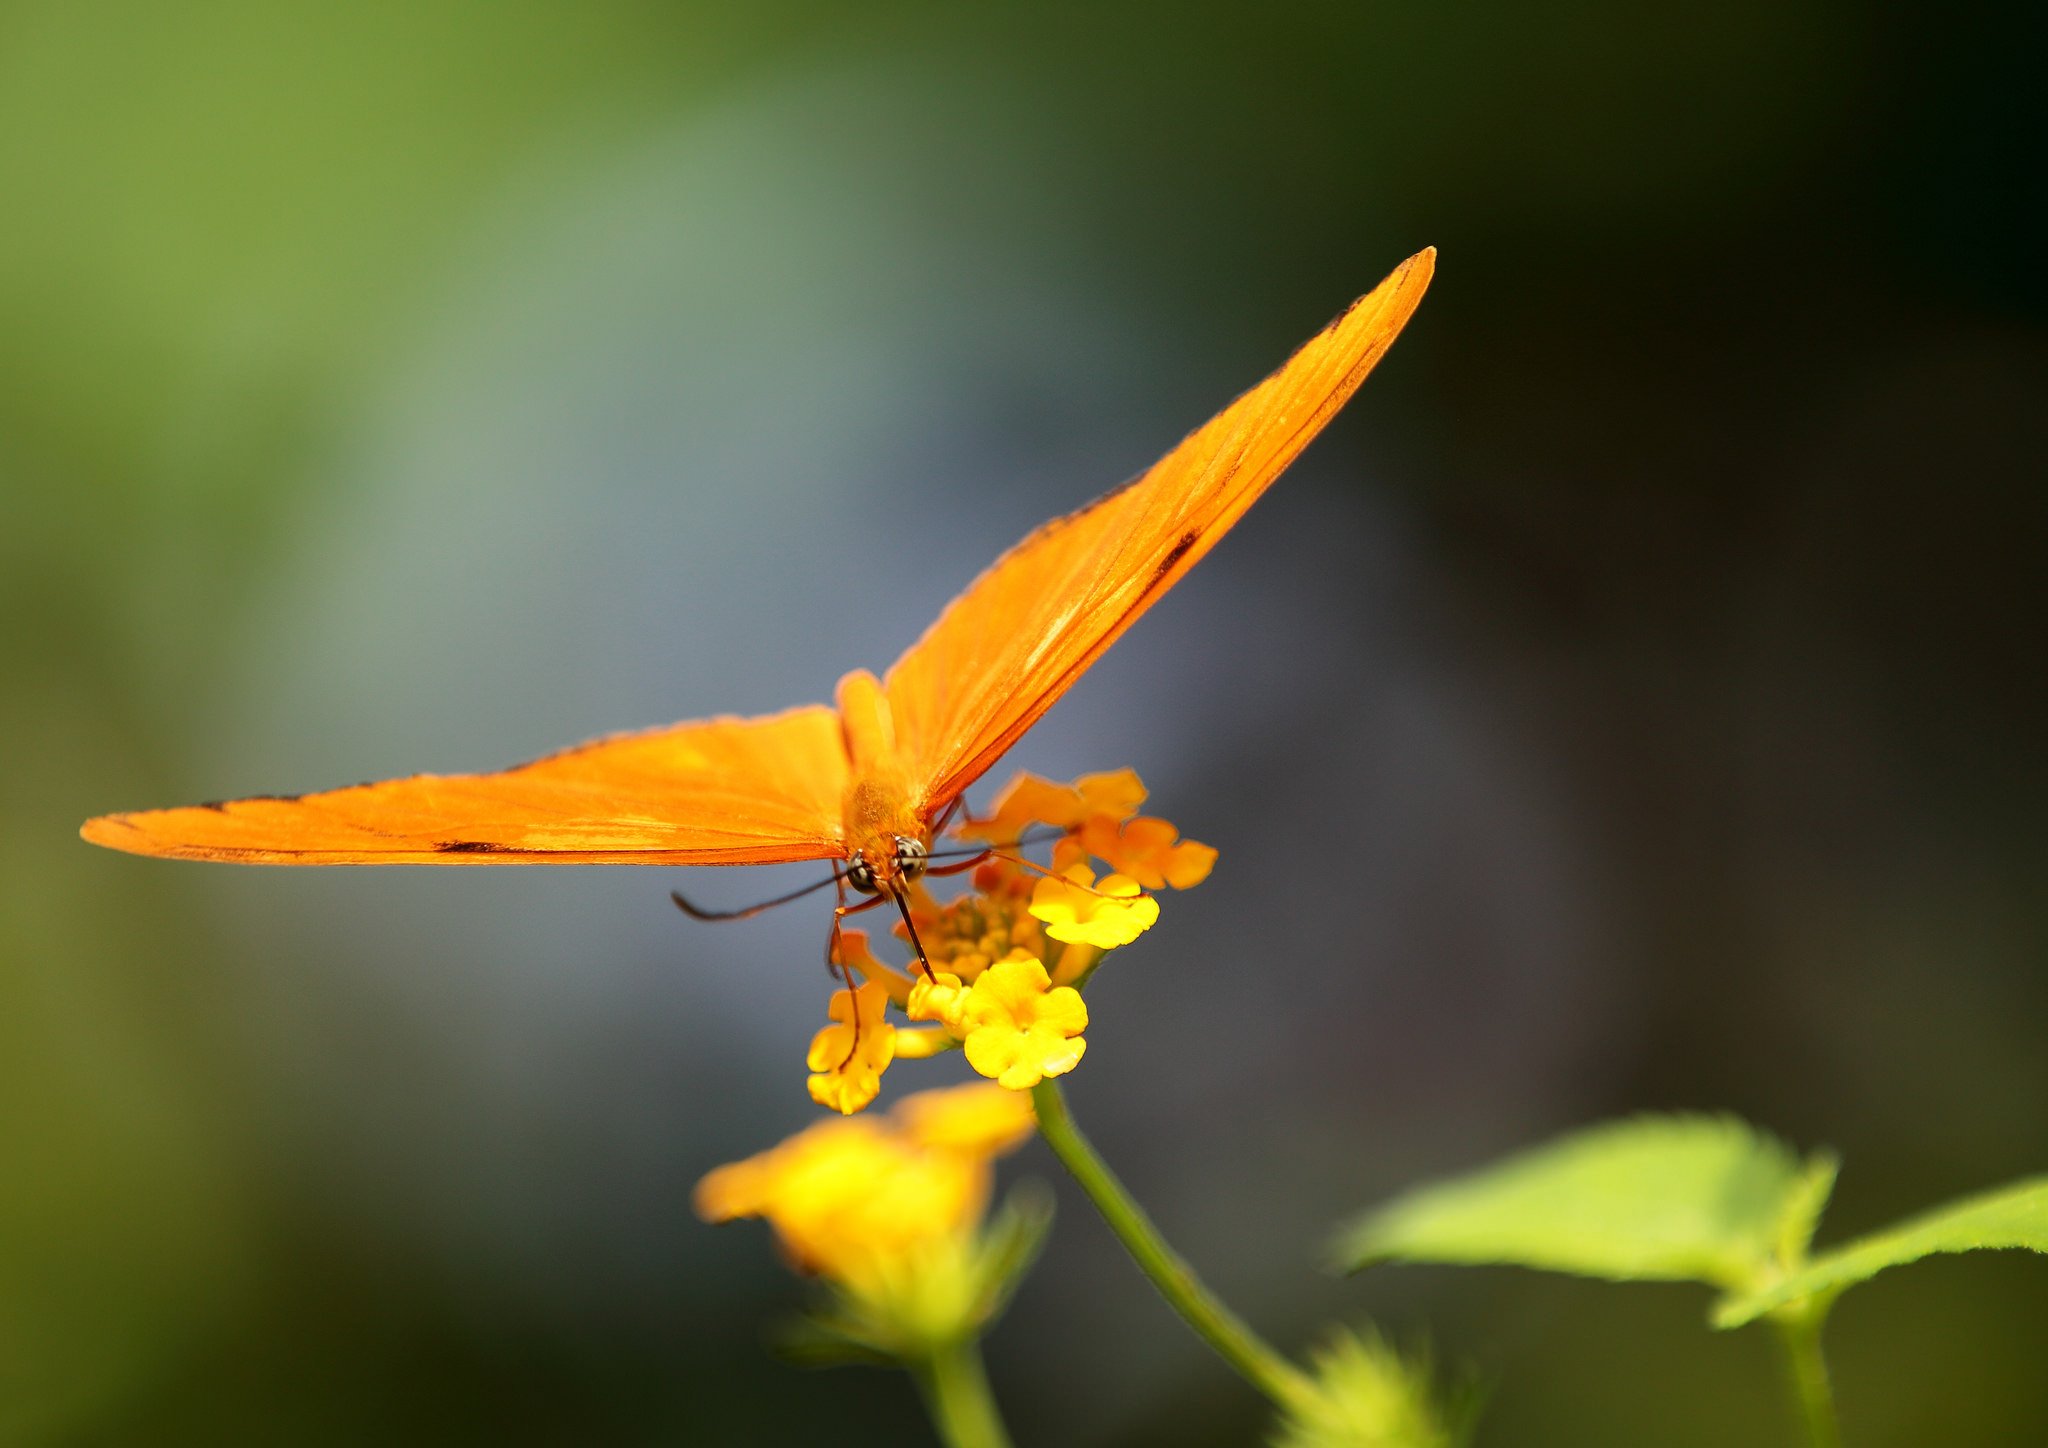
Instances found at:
x=871 y=781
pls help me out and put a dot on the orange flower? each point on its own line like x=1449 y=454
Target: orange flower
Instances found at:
x=854 y=954
x=1028 y=800
x=1149 y=851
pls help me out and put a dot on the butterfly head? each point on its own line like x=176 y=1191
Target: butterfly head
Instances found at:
x=896 y=860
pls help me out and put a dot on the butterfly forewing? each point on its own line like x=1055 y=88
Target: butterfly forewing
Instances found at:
x=713 y=792
x=1005 y=650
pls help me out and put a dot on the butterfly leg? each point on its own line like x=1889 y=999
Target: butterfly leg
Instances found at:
x=833 y=940
x=835 y=961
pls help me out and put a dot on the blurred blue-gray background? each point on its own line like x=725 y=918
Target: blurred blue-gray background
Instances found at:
x=1634 y=701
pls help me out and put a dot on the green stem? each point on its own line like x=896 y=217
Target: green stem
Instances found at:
x=1808 y=1370
x=1214 y=1323
x=956 y=1394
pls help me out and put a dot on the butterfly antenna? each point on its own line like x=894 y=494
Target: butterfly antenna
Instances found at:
x=697 y=912
x=1023 y=841
x=1038 y=869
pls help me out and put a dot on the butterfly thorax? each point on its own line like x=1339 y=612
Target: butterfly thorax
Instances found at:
x=877 y=807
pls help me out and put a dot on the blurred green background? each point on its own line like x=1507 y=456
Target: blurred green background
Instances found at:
x=1635 y=701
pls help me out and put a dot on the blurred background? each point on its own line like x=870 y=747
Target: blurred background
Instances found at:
x=1635 y=701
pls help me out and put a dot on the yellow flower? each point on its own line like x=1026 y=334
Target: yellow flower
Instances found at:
x=1020 y=1028
x=1077 y=909
x=978 y=1119
x=847 y=1197
x=1149 y=851
x=859 y=1200
x=940 y=999
x=847 y=1061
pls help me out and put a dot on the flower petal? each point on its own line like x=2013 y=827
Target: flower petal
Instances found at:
x=1148 y=850
x=1075 y=908
x=1028 y=800
x=938 y=998
x=976 y=1118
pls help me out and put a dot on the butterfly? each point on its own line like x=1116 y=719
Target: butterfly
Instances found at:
x=868 y=782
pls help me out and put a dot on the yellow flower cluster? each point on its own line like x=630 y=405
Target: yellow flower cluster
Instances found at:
x=1017 y=1026
x=861 y=1200
x=966 y=935
x=1008 y=958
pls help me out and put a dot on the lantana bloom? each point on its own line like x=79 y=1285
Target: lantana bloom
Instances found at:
x=975 y=1119
x=939 y=998
x=1020 y=1027
x=855 y=1199
x=850 y=951
x=962 y=936
x=847 y=1060
x=1076 y=909
x=1149 y=851
x=1004 y=963
x=1028 y=800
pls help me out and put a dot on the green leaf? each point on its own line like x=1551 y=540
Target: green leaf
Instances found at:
x=1672 y=1198
x=2013 y=1216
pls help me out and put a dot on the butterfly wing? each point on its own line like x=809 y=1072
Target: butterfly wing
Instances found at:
x=713 y=792
x=1005 y=650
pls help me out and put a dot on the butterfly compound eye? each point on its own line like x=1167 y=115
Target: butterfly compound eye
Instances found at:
x=861 y=875
x=910 y=857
